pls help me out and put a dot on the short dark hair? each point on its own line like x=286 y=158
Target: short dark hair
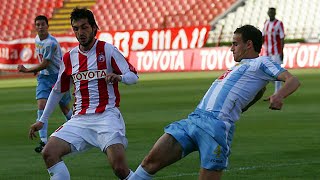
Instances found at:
x=272 y=8
x=249 y=32
x=41 y=17
x=83 y=13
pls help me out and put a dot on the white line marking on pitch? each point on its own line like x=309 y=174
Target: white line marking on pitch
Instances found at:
x=237 y=169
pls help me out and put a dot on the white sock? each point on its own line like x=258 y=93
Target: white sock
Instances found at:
x=277 y=85
x=59 y=171
x=140 y=174
x=129 y=175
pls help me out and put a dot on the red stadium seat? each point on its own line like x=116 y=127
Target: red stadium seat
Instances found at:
x=120 y=15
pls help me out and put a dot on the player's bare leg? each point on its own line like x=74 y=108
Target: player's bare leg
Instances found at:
x=116 y=157
x=166 y=151
x=54 y=150
x=52 y=153
x=209 y=175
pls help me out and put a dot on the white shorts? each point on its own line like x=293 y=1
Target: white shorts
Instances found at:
x=93 y=130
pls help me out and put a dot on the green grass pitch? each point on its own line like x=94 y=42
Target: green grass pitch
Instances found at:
x=267 y=144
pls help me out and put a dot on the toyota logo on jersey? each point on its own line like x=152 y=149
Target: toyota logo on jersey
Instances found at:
x=89 y=75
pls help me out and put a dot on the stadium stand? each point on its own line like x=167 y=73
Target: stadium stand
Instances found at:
x=16 y=18
x=116 y=15
x=300 y=17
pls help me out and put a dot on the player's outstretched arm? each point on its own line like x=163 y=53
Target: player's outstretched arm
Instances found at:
x=44 y=64
x=291 y=84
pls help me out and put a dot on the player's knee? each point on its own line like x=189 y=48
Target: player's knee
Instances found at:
x=46 y=154
x=49 y=156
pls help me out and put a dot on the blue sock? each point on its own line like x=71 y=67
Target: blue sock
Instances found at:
x=68 y=116
x=43 y=132
x=140 y=174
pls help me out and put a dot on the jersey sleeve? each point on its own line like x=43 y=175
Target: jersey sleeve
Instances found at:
x=270 y=69
x=64 y=78
x=52 y=102
x=122 y=67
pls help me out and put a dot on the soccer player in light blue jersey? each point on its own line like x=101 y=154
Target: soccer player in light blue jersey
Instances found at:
x=209 y=129
x=50 y=56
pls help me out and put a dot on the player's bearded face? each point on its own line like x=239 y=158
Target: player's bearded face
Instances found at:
x=85 y=40
x=84 y=32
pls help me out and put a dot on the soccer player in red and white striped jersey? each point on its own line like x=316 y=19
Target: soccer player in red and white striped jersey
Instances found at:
x=94 y=68
x=273 y=35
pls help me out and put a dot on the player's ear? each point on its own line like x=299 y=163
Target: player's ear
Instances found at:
x=249 y=44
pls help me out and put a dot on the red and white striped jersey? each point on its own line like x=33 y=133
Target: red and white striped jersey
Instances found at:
x=87 y=72
x=273 y=32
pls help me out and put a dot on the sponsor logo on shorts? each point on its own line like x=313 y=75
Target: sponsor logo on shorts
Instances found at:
x=89 y=75
x=220 y=161
x=217 y=153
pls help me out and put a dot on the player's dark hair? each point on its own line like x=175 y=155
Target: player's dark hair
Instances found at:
x=272 y=8
x=41 y=17
x=83 y=13
x=249 y=32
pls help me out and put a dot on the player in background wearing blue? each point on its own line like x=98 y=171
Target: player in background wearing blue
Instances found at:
x=50 y=56
x=209 y=129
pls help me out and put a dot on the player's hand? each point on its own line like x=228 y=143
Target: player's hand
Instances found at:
x=34 y=128
x=275 y=102
x=21 y=68
x=111 y=78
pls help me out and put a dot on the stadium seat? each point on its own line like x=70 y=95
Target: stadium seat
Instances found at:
x=136 y=14
x=255 y=13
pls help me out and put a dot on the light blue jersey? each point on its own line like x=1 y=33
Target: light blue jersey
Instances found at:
x=50 y=50
x=238 y=86
x=209 y=129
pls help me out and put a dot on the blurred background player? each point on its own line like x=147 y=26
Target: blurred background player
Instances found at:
x=273 y=36
x=209 y=129
x=95 y=68
x=50 y=56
